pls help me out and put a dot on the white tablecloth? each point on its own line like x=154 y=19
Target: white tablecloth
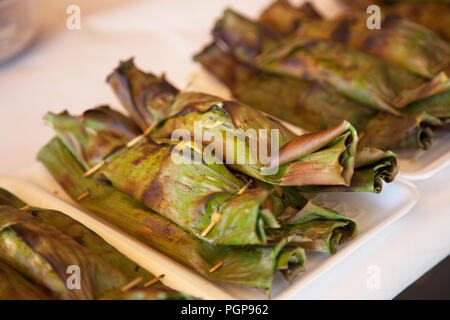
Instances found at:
x=67 y=69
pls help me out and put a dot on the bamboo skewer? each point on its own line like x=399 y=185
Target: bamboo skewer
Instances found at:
x=153 y=281
x=215 y=217
x=94 y=168
x=249 y=182
x=129 y=145
x=147 y=131
x=131 y=284
x=217 y=266
x=83 y=195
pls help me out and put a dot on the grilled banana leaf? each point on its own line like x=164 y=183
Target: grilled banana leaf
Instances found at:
x=437 y=106
x=13 y=286
x=177 y=182
x=360 y=76
x=60 y=225
x=373 y=166
x=317 y=106
x=399 y=41
x=286 y=18
x=320 y=158
x=315 y=228
x=79 y=233
x=43 y=255
x=250 y=265
x=434 y=16
x=243 y=216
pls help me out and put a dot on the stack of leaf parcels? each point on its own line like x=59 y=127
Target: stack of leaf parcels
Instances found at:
x=234 y=220
x=390 y=83
x=45 y=254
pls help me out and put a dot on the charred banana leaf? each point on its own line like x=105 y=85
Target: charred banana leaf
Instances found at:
x=360 y=76
x=175 y=180
x=399 y=41
x=315 y=228
x=43 y=255
x=285 y=18
x=250 y=266
x=320 y=158
x=28 y=231
x=13 y=286
x=316 y=106
x=433 y=15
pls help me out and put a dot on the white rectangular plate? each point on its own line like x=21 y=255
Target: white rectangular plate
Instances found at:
x=373 y=212
x=423 y=164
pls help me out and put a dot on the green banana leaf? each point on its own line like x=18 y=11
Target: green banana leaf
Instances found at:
x=387 y=131
x=13 y=286
x=399 y=41
x=437 y=106
x=56 y=225
x=316 y=106
x=431 y=15
x=185 y=188
x=315 y=228
x=360 y=76
x=373 y=166
x=159 y=98
x=94 y=140
x=320 y=158
x=286 y=18
x=79 y=233
x=250 y=265
x=43 y=255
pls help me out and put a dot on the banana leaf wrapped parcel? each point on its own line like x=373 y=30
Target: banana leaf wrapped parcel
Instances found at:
x=286 y=18
x=399 y=41
x=431 y=14
x=39 y=248
x=360 y=76
x=324 y=158
x=13 y=286
x=250 y=265
x=184 y=201
x=191 y=194
x=314 y=105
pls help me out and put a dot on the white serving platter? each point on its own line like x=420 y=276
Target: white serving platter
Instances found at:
x=374 y=212
x=423 y=164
